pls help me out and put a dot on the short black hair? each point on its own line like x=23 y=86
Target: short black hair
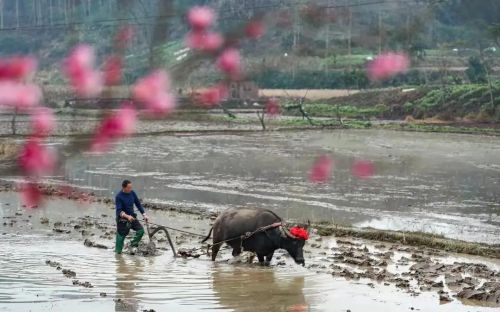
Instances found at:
x=125 y=183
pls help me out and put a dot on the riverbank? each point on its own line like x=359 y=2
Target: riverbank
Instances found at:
x=247 y=122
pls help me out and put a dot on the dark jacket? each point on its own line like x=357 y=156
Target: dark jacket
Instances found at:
x=125 y=202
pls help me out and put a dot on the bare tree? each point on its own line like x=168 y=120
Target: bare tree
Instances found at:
x=160 y=32
x=262 y=116
x=13 y=122
x=17 y=13
x=1 y=14
x=50 y=12
x=380 y=30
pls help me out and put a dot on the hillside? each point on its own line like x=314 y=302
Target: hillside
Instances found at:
x=308 y=44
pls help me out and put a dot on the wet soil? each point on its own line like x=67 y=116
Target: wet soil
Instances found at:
x=386 y=274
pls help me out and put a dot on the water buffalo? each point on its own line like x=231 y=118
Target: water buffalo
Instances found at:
x=233 y=223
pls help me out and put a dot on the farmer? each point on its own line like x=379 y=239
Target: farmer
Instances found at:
x=126 y=218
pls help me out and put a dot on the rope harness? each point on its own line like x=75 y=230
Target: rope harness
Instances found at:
x=243 y=237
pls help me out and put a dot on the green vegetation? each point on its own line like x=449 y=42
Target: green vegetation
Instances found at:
x=473 y=102
x=278 y=79
x=345 y=79
x=463 y=129
x=346 y=60
x=477 y=72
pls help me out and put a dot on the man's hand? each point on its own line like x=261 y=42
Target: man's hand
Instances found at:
x=146 y=218
x=130 y=218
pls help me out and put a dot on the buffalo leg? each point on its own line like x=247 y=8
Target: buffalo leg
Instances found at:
x=236 y=252
x=215 y=250
x=269 y=257
x=236 y=249
x=261 y=259
x=250 y=259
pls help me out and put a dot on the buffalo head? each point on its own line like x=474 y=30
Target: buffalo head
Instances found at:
x=293 y=241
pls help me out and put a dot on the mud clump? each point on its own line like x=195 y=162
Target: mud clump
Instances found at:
x=90 y=243
x=444 y=297
x=467 y=286
x=61 y=231
x=84 y=284
x=68 y=273
x=147 y=250
x=53 y=264
x=488 y=292
x=189 y=253
x=125 y=305
x=144 y=250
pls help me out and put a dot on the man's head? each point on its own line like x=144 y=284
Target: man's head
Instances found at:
x=126 y=186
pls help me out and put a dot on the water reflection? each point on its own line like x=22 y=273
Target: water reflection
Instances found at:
x=127 y=271
x=245 y=289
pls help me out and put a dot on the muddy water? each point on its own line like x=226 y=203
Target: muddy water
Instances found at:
x=162 y=283
x=439 y=183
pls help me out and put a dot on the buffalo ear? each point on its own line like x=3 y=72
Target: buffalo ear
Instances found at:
x=307 y=225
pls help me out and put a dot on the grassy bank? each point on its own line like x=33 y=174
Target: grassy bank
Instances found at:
x=469 y=102
x=332 y=123
x=412 y=239
x=458 y=128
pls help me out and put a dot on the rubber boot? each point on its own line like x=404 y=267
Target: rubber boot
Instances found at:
x=120 y=240
x=137 y=238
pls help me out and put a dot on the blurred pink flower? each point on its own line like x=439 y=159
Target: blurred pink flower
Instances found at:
x=18 y=95
x=31 y=196
x=201 y=17
x=80 y=58
x=89 y=84
x=255 y=29
x=119 y=125
x=17 y=67
x=212 y=96
x=387 y=65
x=79 y=69
x=163 y=104
x=36 y=159
x=229 y=62
x=113 y=68
x=43 y=121
x=363 y=169
x=153 y=92
x=273 y=107
x=148 y=87
x=321 y=170
x=204 y=41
